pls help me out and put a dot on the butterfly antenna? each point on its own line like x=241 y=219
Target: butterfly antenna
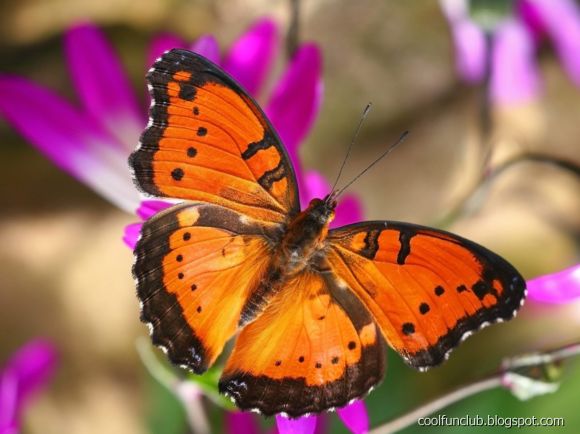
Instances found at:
x=400 y=140
x=354 y=137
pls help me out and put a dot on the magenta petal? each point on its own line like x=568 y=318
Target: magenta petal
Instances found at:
x=303 y=425
x=348 y=211
x=315 y=187
x=561 y=20
x=102 y=84
x=149 y=208
x=296 y=99
x=470 y=51
x=355 y=417
x=162 y=43
x=74 y=142
x=43 y=118
x=23 y=375
x=241 y=422
x=514 y=76
x=208 y=47
x=468 y=40
x=131 y=234
x=250 y=57
x=561 y=287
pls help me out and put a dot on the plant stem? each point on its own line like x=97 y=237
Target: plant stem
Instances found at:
x=187 y=392
x=490 y=382
x=437 y=404
x=293 y=28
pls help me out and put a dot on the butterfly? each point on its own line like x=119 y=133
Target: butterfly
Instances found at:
x=312 y=307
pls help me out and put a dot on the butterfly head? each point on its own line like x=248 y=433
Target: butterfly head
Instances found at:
x=322 y=209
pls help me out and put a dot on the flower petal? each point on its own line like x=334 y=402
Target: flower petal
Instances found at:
x=250 y=57
x=316 y=187
x=296 y=99
x=208 y=47
x=131 y=234
x=8 y=401
x=303 y=425
x=561 y=20
x=514 y=74
x=468 y=40
x=355 y=417
x=102 y=84
x=24 y=374
x=146 y=210
x=348 y=211
x=561 y=287
x=149 y=208
x=241 y=422
x=70 y=139
x=160 y=44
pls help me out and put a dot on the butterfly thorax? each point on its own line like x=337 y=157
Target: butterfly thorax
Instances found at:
x=306 y=235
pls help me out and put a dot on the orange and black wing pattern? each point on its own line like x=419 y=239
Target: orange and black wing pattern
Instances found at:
x=207 y=140
x=313 y=348
x=426 y=289
x=196 y=267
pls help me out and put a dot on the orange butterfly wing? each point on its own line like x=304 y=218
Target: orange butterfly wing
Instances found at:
x=427 y=289
x=196 y=265
x=199 y=266
x=314 y=347
x=209 y=141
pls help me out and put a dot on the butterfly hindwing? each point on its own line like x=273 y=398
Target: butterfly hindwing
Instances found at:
x=196 y=265
x=427 y=289
x=314 y=347
x=207 y=140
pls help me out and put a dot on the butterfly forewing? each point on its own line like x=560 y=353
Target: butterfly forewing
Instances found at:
x=427 y=289
x=209 y=141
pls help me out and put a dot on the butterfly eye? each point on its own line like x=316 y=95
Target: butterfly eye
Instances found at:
x=315 y=203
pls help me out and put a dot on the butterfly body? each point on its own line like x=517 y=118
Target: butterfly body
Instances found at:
x=311 y=307
x=306 y=235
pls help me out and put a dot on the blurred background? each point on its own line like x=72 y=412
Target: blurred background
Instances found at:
x=66 y=273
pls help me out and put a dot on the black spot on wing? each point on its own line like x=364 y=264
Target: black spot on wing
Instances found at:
x=408 y=328
x=482 y=288
x=186 y=91
x=177 y=174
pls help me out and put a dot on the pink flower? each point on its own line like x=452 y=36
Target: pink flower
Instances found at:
x=560 y=287
x=24 y=374
x=354 y=416
x=514 y=75
x=90 y=140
